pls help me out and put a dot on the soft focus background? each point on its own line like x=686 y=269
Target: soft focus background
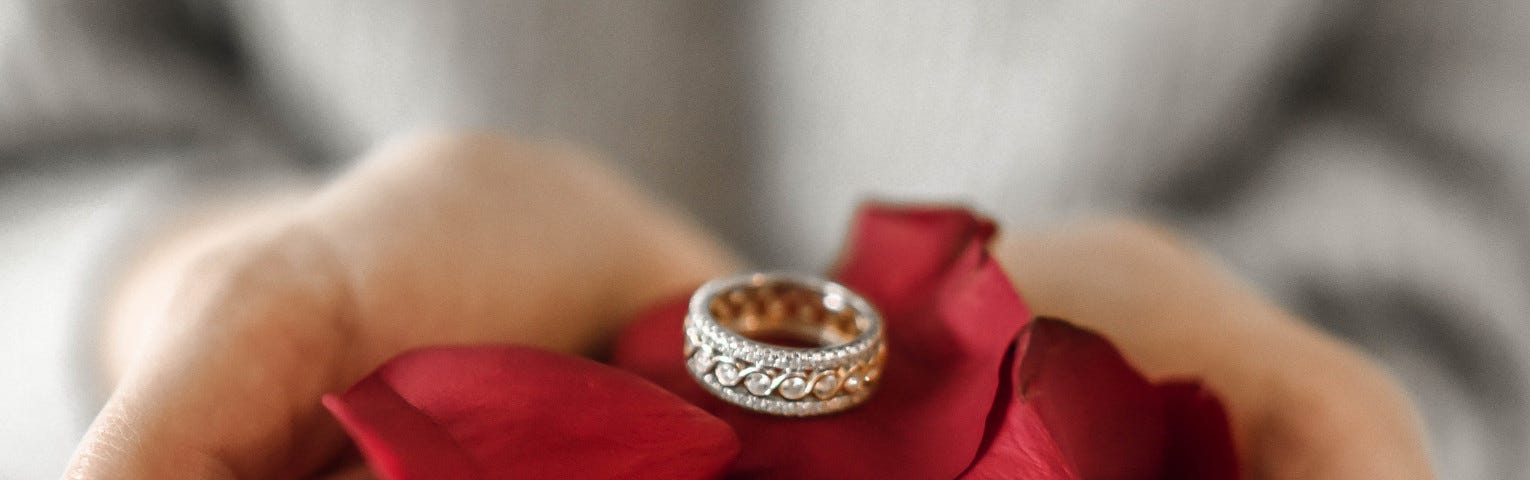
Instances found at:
x=1365 y=162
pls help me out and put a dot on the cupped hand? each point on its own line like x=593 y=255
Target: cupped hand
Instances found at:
x=1303 y=405
x=227 y=340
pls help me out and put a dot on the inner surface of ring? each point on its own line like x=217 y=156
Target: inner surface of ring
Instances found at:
x=788 y=315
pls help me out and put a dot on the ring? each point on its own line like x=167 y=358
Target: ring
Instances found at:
x=784 y=344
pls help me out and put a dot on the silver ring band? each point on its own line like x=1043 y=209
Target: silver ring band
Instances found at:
x=784 y=344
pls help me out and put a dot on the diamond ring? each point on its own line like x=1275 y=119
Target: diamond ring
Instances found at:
x=784 y=344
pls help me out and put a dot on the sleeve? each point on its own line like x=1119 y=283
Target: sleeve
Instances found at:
x=101 y=79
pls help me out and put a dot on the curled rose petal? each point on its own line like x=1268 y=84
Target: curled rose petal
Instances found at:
x=1099 y=418
x=1017 y=443
x=1200 y=445
x=513 y=412
x=1104 y=416
x=1021 y=447
x=951 y=315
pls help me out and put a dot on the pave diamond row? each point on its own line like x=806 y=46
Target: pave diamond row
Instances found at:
x=702 y=331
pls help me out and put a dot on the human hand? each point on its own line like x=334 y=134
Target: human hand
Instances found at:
x=1303 y=405
x=227 y=343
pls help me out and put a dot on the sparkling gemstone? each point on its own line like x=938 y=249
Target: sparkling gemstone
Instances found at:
x=794 y=387
x=758 y=384
x=825 y=386
x=701 y=362
x=853 y=384
x=727 y=374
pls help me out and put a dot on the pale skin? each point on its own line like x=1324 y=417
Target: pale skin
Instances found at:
x=221 y=341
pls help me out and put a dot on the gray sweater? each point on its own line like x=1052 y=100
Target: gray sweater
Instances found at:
x=1365 y=162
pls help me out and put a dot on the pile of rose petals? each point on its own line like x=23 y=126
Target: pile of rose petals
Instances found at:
x=974 y=387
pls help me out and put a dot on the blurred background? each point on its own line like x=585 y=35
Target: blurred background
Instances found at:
x=1365 y=162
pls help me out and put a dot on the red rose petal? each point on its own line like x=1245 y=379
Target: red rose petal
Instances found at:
x=951 y=315
x=512 y=412
x=399 y=441
x=1018 y=444
x=896 y=251
x=1200 y=440
x=1103 y=417
x=1022 y=447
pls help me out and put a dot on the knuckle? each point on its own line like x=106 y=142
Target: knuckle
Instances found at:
x=280 y=263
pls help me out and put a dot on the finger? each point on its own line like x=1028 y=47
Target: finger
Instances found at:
x=227 y=381
x=1303 y=404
